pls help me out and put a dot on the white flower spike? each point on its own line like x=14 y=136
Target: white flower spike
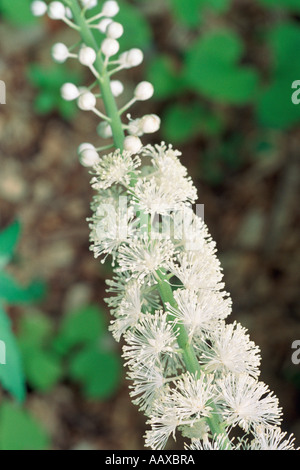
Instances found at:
x=190 y=371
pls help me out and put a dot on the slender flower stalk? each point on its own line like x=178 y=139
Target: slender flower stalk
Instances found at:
x=190 y=371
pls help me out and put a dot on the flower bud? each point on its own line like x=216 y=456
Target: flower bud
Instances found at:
x=87 y=101
x=89 y=4
x=104 y=130
x=109 y=47
x=150 y=123
x=88 y=155
x=131 y=58
x=87 y=56
x=56 y=11
x=110 y=8
x=143 y=91
x=60 y=52
x=132 y=144
x=117 y=87
x=103 y=25
x=69 y=92
x=69 y=13
x=114 y=30
x=38 y=8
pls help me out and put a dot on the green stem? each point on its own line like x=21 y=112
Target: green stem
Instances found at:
x=189 y=356
x=167 y=297
x=104 y=81
x=165 y=290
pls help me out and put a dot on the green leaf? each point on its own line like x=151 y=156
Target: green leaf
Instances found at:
x=80 y=327
x=182 y=122
x=274 y=107
x=191 y=12
x=162 y=73
x=99 y=372
x=12 y=293
x=44 y=103
x=43 y=369
x=212 y=68
x=17 y=12
x=11 y=373
x=35 y=328
x=67 y=109
x=19 y=430
x=42 y=366
x=8 y=240
x=220 y=6
x=49 y=82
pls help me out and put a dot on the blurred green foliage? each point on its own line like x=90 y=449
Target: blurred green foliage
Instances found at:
x=48 y=82
x=213 y=73
x=191 y=12
x=17 y=12
x=11 y=292
x=18 y=429
x=212 y=68
x=42 y=354
x=292 y=5
x=274 y=107
x=79 y=350
x=216 y=73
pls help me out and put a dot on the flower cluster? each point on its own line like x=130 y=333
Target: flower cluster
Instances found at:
x=190 y=371
x=113 y=62
x=173 y=398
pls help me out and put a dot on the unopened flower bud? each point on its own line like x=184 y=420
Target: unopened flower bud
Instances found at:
x=104 y=130
x=60 y=52
x=110 y=8
x=38 y=8
x=89 y=4
x=69 y=92
x=88 y=155
x=103 y=25
x=150 y=123
x=132 y=144
x=87 y=56
x=131 y=58
x=109 y=47
x=87 y=101
x=114 y=30
x=56 y=11
x=117 y=87
x=69 y=13
x=144 y=91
